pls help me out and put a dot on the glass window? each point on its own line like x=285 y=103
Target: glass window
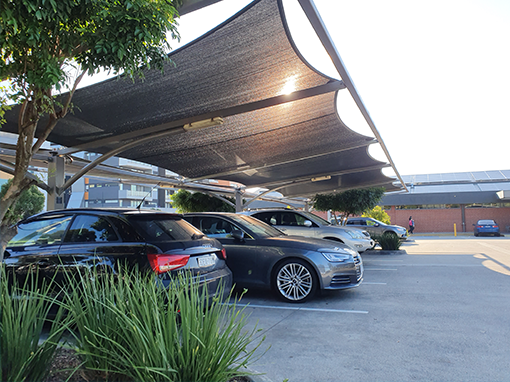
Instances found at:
x=89 y=228
x=163 y=228
x=41 y=232
x=270 y=218
x=288 y=218
x=216 y=227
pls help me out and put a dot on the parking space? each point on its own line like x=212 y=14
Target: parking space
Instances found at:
x=436 y=311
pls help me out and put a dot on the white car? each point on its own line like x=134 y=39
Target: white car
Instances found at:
x=302 y=223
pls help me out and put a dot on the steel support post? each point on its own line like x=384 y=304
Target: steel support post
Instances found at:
x=239 y=200
x=56 y=177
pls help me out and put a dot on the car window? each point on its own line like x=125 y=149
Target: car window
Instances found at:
x=256 y=226
x=288 y=219
x=482 y=222
x=214 y=226
x=90 y=228
x=41 y=232
x=126 y=232
x=159 y=228
x=371 y=223
x=314 y=218
x=270 y=218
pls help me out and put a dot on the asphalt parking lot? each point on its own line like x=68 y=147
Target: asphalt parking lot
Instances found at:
x=437 y=311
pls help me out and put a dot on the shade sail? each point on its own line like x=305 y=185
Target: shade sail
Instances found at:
x=280 y=122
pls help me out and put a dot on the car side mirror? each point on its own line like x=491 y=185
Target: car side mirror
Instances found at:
x=238 y=234
x=376 y=225
x=308 y=223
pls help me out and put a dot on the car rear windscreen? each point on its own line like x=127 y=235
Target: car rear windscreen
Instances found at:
x=161 y=228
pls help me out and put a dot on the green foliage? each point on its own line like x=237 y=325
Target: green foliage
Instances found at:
x=350 y=202
x=30 y=202
x=388 y=241
x=186 y=201
x=24 y=354
x=379 y=214
x=38 y=37
x=128 y=325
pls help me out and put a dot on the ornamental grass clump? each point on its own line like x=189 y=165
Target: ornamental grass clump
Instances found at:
x=28 y=338
x=129 y=327
x=388 y=241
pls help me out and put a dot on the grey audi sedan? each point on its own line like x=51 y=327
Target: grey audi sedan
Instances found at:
x=295 y=267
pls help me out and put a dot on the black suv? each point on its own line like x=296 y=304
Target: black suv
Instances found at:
x=82 y=238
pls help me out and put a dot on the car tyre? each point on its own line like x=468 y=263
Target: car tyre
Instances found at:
x=295 y=281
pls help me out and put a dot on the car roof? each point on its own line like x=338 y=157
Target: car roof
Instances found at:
x=105 y=211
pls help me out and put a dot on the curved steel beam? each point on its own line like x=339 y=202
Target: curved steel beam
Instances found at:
x=320 y=28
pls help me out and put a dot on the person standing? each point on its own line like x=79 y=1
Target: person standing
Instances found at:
x=411 y=224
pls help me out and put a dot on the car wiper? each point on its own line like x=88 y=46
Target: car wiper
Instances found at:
x=196 y=236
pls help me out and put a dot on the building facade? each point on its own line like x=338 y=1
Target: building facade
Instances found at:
x=452 y=201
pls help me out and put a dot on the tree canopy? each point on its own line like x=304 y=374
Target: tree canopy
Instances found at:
x=186 y=201
x=350 y=202
x=41 y=41
x=30 y=202
x=379 y=214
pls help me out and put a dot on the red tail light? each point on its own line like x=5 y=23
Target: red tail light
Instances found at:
x=222 y=255
x=162 y=263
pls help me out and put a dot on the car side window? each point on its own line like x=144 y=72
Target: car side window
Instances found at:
x=216 y=227
x=300 y=220
x=126 y=232
x=288 y=219
x=370 y=223
x=41 y=232
x=89 y=228
x=267 y=217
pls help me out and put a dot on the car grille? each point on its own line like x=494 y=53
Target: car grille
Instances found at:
x=338 y=280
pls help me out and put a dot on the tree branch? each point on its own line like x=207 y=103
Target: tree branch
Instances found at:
x=54 y=117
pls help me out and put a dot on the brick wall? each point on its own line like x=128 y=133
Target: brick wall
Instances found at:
x=442 y=220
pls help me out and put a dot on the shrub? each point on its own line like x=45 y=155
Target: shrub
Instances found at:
x=129 y=327
x=24 y=355
x=388 y=241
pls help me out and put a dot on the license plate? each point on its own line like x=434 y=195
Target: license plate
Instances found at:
x=205 y=261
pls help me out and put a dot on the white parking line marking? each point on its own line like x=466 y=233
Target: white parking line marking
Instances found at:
x=307 y=309
x=370 y=283
x=380 y=269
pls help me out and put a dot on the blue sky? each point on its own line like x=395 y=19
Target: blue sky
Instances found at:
x=434 y=75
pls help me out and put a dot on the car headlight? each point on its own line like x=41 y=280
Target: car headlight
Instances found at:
x=336 y=257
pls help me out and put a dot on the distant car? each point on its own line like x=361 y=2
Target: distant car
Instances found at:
x=302 y=223
x=486 y=227
x=295 y=267
x=377 y=228
x=65 y=241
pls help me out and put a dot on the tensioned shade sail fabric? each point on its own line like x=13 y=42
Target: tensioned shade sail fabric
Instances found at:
x=239 y=71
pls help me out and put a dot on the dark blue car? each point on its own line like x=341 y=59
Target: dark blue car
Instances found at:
x=486 y=227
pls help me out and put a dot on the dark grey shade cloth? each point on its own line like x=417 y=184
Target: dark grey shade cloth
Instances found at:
x=234 y=72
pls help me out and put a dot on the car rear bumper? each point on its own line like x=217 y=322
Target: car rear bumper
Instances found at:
x=218 y=283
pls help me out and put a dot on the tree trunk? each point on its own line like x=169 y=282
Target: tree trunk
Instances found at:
x=6 y=234
x=26 y=130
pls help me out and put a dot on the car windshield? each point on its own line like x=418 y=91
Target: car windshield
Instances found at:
x=486 y=222
x=377 y=221
x=159 y=228
x=256 y=226
x=315 y=218
x=354 y=234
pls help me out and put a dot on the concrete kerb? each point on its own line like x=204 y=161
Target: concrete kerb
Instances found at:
x=386 y=252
